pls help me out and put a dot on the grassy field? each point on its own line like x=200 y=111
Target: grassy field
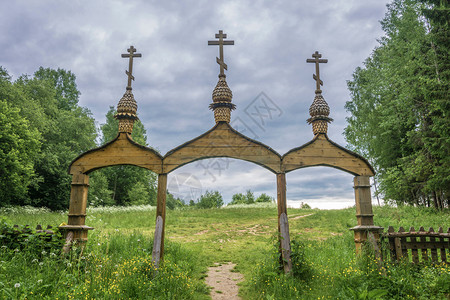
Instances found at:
x=116 y=263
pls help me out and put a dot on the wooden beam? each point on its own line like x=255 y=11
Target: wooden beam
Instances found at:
x=161 y=211
x=222 y=141
x=157 y=241
x=323 y=152
x=120 y=151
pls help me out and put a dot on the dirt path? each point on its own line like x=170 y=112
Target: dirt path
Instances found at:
x=223 y=281
x=299 y=217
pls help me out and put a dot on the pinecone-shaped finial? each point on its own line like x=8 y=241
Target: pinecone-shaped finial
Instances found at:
x=221 y=97
x=126 y=112
x=319 y=111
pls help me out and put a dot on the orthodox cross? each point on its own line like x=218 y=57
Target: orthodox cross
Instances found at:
x=221 y=42
x=316 y=60
x=131 y=50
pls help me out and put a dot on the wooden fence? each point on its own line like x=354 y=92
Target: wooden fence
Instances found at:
x=419 y=246
x=27 y=229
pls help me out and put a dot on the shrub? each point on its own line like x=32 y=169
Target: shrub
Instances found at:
x=211 y=199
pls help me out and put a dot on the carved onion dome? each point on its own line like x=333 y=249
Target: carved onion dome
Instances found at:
x=126 y=112
x=319 y=111
x=221 y=97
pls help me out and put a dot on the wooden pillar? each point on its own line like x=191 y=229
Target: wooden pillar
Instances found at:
x=77 y=210
x=283 y=225
x=158 y=242
x=78 y=199
x=364 y=213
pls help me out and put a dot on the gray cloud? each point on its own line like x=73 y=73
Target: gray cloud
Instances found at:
x=177 y=73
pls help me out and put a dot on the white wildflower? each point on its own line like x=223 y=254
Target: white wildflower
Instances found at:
x=17 y=285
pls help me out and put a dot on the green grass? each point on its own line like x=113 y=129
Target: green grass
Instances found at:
x=325 y=260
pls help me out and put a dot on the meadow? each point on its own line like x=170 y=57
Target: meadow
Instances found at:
x=116 y=263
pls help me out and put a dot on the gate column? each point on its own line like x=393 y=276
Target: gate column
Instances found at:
x=283 y=225
x=158 y=242
x=76 y=230
x=364 y=213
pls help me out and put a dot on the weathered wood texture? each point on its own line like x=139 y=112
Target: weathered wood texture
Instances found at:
x=419 y=246
x=363 y=200
x=161 y=209
x=78 y=199
x=285 y=243
x=157 y=241
x=222 y=141
x=323 y=152
x=120 y=151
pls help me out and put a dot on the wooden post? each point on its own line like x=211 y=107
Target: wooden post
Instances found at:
x=77 y=211
x=156 y=254
x=283 y=226
x=78 y=199
x=160 y=219
x=364 y=213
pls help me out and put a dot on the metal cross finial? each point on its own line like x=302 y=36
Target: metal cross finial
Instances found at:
x=221 y=42
x=131 y=50
x=316 y=60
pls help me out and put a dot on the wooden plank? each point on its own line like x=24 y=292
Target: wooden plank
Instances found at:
x=68 y=243
x=222 y=141
x=323 y=152
x=121 y=151
x=161 y=207
x=434 y=256
x=413 y=247
x=156 y=253
x=444 y=241
x=285 y=243
x=398 y=248
x=423 y=239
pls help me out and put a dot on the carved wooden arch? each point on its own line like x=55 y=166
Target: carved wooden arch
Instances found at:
x=321 y=151
x=222 y=141
x=120 y=151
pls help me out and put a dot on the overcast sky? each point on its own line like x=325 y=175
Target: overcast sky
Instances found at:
x=178 y=71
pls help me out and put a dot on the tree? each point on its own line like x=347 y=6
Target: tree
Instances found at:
x=211 y=199
x=127 y=185
x=65 y=131
x=238 y=199
x=18 y=144
x=264 y=198
x=400 y=106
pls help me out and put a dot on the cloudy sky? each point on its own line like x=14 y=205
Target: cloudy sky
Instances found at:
x=178 y=71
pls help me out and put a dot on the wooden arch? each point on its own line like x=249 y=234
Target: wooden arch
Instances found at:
x=120 y=151
x=222 y=141
x=321 y=151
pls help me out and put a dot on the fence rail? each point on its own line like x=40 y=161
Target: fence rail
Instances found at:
x=419 y=246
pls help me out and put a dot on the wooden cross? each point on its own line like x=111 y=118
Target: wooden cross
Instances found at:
x=316 y=60
x=131 y=50
x=221 y=42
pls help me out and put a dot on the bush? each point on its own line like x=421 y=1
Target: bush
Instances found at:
x=211 y=199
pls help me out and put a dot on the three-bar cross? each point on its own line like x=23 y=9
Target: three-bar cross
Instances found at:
x=316 y=60
x=131 y=50
x=221 y=42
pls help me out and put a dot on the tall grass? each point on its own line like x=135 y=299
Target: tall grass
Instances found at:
x=116 y=261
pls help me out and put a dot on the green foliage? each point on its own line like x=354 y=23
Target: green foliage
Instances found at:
x=123 y=185
x=23 y=238
x=18 y=144
x=173 y=203
x=113 y=267
x=211 y=199
x=264 y=198
x=400 y=106
x=249 y=198
x=48 y=102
